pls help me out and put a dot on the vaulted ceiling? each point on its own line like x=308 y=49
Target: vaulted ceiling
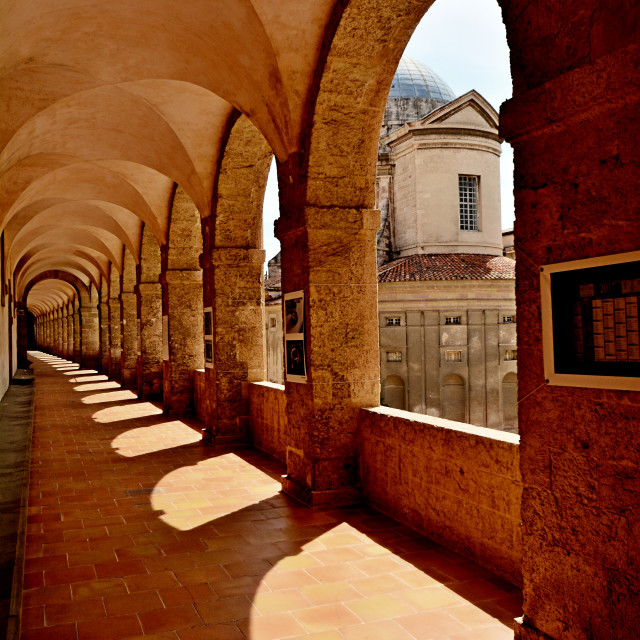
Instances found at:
x=106 y=104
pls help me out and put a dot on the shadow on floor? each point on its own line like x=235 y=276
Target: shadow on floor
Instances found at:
x=129 y=508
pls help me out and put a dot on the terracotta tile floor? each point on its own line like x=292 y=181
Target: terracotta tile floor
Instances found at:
x=136 y=529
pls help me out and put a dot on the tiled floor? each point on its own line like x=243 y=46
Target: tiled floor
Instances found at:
x=136 y=529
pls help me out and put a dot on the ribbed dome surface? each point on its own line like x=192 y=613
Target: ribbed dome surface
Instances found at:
x=414 y=79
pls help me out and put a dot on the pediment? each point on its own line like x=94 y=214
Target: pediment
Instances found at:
x=469 y=110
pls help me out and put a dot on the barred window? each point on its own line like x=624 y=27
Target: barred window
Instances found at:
x=511 y=354
x=393 y=321
x=453 y=356
x=507 y=319
x=452 y=320
x=468 y=190
x=394 y=356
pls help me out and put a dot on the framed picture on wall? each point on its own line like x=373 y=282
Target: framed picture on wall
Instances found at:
x=208 y=321
x=208 y=352
x=294 y=341
x=590 y=315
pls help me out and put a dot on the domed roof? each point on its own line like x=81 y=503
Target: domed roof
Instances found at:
x=413 y=79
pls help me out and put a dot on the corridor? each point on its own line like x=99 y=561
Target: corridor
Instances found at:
x=136 y=529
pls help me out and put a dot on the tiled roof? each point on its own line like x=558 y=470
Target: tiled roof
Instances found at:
x=272 y=283
x=447 y=266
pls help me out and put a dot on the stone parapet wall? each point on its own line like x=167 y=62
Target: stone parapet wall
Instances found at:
x=268 y=420
x=458 y=484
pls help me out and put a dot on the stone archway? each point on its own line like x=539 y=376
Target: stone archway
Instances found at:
x=233 y=262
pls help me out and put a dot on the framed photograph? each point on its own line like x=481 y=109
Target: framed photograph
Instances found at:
x=294 y=342
x=590 y=311
x=208 y=352
x=208 y=322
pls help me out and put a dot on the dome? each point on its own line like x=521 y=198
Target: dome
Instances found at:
x=414 y=79
x=415 y=91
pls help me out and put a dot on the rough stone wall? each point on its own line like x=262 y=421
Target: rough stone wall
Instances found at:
x=268 y=418
x=574 y=123
x=458 y=485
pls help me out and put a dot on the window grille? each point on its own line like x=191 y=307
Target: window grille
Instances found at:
x=511 y=354
x=507 y=319
x=468 y=191
x=452 y=320
x=394 y=356
x=393 y=321
x=453 y=356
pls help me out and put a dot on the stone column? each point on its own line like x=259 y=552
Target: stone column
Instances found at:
x=77 y=334
x=182 y=301
x=115 y=339
x=64 y=337
x=233 y=276
x=70 y=332
x=104 y=336
x=129 y=340
x=332 y=259
x=60 y=334
x=90 y=327
x=150 y=340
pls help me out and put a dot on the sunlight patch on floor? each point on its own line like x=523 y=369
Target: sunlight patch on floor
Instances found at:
x=158 y=437
x=195 y=495
x=97 y=386
x=133 y=412
x=111 y=396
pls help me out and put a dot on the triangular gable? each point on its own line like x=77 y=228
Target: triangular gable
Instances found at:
x=471 y=109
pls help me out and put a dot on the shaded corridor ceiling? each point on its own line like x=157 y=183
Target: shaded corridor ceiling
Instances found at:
x=105 y=105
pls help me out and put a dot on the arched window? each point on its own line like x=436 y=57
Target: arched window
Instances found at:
x=393 y=392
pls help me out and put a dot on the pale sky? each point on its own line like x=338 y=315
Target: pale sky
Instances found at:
x=464 y=42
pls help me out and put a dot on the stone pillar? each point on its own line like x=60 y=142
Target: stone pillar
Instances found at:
x=115 y=339
x=60 y=334
x=332 y=259
x=90 y=327
x=129 y=340
x=233 y=276
x=150 y=340
x=104 y=337
x=576 y=172
x=182 y=302
x=50 y=333
x=64 y=337
x=70 y=332
x=77 y=334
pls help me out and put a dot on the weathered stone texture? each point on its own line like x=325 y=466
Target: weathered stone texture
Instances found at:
x=576 y=159
x=333 y=261
x=460 y=487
